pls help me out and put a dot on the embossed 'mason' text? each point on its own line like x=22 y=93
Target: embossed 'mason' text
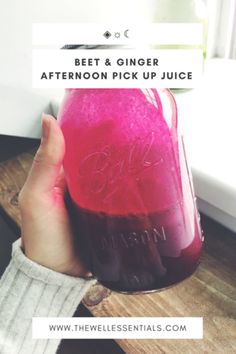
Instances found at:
x=133 y=238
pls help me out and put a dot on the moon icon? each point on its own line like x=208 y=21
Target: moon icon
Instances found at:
x=126 y=33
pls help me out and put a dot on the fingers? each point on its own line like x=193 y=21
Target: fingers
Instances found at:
x=47 y=163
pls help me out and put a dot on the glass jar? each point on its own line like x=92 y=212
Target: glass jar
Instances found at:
x=131 y=189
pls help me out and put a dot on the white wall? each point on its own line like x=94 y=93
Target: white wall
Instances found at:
x=17 y=16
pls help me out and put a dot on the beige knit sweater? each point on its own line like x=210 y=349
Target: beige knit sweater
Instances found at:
x=29 y=290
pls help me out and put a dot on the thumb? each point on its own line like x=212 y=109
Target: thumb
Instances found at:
x=48 y=159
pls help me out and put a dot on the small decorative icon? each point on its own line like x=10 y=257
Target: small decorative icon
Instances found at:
x=117 y=34
x=107 y=34
x=126 y=33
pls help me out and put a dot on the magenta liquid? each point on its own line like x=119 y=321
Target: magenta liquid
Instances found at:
x=129 y=182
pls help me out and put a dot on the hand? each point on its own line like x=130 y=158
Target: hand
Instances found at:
x=47 y=236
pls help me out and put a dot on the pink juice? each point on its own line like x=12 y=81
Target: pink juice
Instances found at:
x=130 y=186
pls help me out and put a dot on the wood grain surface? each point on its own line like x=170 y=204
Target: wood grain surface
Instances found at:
x=210 y=293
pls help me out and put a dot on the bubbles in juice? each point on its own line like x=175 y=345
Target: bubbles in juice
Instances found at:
x=129 y=183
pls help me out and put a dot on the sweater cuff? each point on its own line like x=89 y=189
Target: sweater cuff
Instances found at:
x=28 y=290
x=38 y=272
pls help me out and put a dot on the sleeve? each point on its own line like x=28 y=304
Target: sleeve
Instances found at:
x=29 y=290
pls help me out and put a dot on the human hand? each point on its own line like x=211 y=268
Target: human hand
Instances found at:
x=47 y=236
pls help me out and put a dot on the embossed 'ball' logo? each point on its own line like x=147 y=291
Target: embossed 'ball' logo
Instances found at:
x=106 y=170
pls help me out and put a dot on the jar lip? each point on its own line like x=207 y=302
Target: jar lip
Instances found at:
x=95 y=46
x=79 y=46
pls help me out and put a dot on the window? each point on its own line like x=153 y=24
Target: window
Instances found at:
x=222 y=28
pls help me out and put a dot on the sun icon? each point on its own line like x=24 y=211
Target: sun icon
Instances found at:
x=117 y=34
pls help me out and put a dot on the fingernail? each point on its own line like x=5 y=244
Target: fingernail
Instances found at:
x=45 y=128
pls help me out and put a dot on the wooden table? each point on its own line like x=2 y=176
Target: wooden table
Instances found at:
x=210 y=293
